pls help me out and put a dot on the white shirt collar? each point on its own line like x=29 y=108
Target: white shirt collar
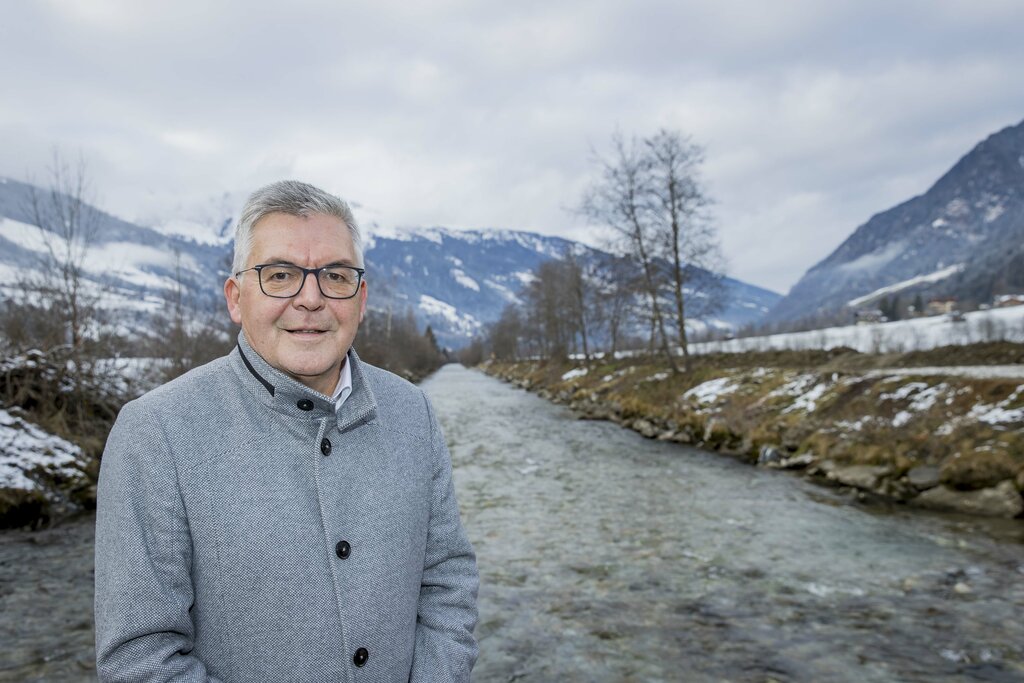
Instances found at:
x=344 y=388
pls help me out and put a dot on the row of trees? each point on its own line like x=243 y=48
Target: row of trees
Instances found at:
x=394 y=342
x=650 y=200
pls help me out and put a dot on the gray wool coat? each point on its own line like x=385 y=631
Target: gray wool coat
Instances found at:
x=247 y=532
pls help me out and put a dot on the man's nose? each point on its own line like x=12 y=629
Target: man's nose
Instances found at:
x=309 y=295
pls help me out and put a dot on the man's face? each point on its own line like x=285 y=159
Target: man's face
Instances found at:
x=308 y=335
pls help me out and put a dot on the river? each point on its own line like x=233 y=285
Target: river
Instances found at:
x=605 y=556
x=608 y=557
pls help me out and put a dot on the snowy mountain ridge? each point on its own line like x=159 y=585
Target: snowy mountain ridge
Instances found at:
x=963 y=239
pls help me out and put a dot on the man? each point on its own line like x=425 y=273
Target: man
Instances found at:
x=284 y=513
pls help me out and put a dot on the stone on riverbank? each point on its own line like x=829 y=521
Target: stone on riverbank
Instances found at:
x=866 y=477
x=924 y=477
x=1002 y=500
x=769 y=456
x=645 y=427
x=797 y=462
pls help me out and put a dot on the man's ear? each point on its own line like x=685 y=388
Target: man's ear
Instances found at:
x=362 y=300
x=232 y=292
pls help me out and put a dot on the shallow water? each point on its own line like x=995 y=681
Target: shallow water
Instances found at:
x=46 y=592
x=605 y=556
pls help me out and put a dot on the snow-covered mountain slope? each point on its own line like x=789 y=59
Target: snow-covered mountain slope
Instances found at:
x=129 y=267
x=455 y=281
x=458 y=281
x=963 y=238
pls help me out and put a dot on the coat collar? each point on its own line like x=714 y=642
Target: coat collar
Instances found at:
x=277 y=390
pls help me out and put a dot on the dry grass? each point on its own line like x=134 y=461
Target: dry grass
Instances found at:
x=816 y=402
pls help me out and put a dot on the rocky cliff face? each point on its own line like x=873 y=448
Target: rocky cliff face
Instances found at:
x=963 y=238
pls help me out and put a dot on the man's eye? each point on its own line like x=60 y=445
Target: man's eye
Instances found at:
x=338 y=276
x=279 y=275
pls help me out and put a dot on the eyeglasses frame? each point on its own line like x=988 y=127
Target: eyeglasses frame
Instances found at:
x=306 y=271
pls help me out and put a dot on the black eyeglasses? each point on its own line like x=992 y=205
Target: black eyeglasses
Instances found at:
x=283 y=281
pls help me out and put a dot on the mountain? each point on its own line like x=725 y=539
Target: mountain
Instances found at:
x=455 y=281
x=130 y=266
x=459 y=280
x=963 y=239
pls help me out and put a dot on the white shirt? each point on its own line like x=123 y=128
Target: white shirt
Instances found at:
x=344 y=388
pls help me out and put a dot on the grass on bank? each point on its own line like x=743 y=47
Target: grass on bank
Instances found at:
x=821 y=403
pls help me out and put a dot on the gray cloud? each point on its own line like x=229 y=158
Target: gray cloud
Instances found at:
x=467 y=114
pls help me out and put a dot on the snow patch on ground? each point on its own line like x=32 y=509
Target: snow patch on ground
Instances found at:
x=574 y=373
x=808 y=400
x=710 y=391
x=25 y=447
x=924 y=397
x=855 y=426
x=903 y=392
x=795 y=387
x=1000 y=413
x=628 y=370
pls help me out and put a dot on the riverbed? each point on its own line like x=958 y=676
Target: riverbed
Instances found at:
x=605 y=556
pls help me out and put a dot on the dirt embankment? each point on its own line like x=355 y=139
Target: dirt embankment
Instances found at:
x=948 y=442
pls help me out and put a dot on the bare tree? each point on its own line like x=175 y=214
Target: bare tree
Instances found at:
x=505 y=333
x=652 y=197
x=615 y=284
x=548 y=309
x=622 y=200
x=67 y=226
x=684 y=231
x=581 y=294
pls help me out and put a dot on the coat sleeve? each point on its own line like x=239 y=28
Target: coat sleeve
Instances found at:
x=445 y=647
x=143 y=559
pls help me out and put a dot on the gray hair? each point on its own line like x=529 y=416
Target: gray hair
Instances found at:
x=295 y=199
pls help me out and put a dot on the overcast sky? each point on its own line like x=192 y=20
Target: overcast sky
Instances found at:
x=814 y=115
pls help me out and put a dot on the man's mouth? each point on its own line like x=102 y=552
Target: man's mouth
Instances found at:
x=306 y=331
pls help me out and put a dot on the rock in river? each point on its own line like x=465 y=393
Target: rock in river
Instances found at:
x=1002 y=500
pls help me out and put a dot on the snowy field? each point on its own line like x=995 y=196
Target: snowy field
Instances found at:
x=919 y=334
